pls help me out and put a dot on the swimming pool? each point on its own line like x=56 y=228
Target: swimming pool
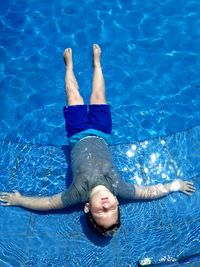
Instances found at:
x=151 y=63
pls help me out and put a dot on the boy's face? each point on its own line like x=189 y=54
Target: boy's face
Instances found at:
x=104 y=208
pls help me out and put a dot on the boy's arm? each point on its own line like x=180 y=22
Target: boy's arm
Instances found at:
x=161 y=190
x=33 y=203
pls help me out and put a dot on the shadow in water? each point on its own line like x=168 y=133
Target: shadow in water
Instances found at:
x=100 y=241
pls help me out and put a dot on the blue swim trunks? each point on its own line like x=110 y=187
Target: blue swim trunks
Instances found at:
x=82 y=121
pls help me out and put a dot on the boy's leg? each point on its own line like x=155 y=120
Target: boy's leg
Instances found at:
x=99 y=111
x=71 y=85
x=76 y=117
x=98 y=84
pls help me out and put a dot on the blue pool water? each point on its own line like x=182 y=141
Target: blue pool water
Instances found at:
x=151 y=63
x=150 y=58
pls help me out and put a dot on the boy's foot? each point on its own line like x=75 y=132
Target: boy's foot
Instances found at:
x=68 y=58
x=96 y=55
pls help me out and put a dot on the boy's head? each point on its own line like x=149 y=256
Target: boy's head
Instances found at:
x=103 y=211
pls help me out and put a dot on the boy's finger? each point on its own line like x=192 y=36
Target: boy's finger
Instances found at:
x=3 y=193
x=190 y=183
x=3 y=198
x=191 y=188
x=4 y=204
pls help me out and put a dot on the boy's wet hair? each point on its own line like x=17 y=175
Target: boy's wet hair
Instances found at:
x=101 y=230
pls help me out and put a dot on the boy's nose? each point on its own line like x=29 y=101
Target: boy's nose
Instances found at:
x=105 y=205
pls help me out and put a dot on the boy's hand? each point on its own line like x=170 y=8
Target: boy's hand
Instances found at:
x=185 y=187
x=10 y=199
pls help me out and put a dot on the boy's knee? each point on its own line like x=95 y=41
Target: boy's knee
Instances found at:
x=72 y=86
x=98 y=99
x=75 y=99
x=98 y=96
